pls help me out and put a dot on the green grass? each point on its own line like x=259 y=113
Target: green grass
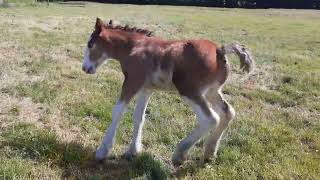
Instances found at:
x=53 y=116
x=40 y=92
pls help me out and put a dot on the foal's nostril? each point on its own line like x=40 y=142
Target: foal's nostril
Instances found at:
x=90 y=69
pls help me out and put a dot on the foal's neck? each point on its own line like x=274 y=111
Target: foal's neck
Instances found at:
x=122 y=44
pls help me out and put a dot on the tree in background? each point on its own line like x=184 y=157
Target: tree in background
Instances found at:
x=297 y=4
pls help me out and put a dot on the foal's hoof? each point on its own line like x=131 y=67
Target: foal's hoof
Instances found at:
x=96 y=162
x=129 y=156
x=99 y=161
x=99 y=156
x=209 y=159
x=93 y=164
x=178 y=160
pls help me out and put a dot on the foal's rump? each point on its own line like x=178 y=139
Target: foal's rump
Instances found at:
x=200 y=63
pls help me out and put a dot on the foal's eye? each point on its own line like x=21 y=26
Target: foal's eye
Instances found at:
x=91 y=41
x=90 y=44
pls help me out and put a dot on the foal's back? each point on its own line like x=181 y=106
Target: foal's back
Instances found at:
x=190 y=65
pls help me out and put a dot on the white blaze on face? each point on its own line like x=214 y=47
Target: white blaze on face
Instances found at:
x=90 y=66
x=87 y=65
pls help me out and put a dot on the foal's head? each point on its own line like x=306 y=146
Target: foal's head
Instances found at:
x=96 y=50
x=108 y=41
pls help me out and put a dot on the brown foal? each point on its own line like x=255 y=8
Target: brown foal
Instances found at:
x=197 y=69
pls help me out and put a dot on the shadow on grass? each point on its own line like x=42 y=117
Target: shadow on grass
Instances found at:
x=189 y=168
x=75 y=160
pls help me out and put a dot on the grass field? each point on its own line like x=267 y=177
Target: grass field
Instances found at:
x=53 y=116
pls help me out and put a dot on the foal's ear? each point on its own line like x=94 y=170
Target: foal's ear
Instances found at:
x=99 y=23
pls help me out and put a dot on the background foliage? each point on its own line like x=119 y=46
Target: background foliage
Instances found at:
x=291 y=4
x=299 y=4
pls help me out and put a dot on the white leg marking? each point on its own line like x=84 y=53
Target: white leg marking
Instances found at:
x=139 y=118
x=205 y=124
x=226 y=113
x=109 y=137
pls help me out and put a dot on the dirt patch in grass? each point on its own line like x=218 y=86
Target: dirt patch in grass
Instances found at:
x=24 y=110
x=31 y=24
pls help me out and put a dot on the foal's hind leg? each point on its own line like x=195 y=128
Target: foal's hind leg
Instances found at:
x=226 y=113
x=207 y=119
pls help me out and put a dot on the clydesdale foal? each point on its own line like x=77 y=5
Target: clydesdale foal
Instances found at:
x=197 y=69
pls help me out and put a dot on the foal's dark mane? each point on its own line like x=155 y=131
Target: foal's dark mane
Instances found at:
x=129 y=29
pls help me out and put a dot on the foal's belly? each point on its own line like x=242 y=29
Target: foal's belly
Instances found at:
x=161 y=80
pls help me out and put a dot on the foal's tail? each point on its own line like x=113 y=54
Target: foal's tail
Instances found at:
x=246 y=60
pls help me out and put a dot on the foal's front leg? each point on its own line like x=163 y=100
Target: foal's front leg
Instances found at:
x=130 y=87
x=109 y=137
x=139 y=118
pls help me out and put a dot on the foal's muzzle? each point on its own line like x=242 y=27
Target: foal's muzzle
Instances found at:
x=88 y=70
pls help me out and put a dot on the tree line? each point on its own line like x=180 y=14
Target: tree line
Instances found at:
x=296 y=4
